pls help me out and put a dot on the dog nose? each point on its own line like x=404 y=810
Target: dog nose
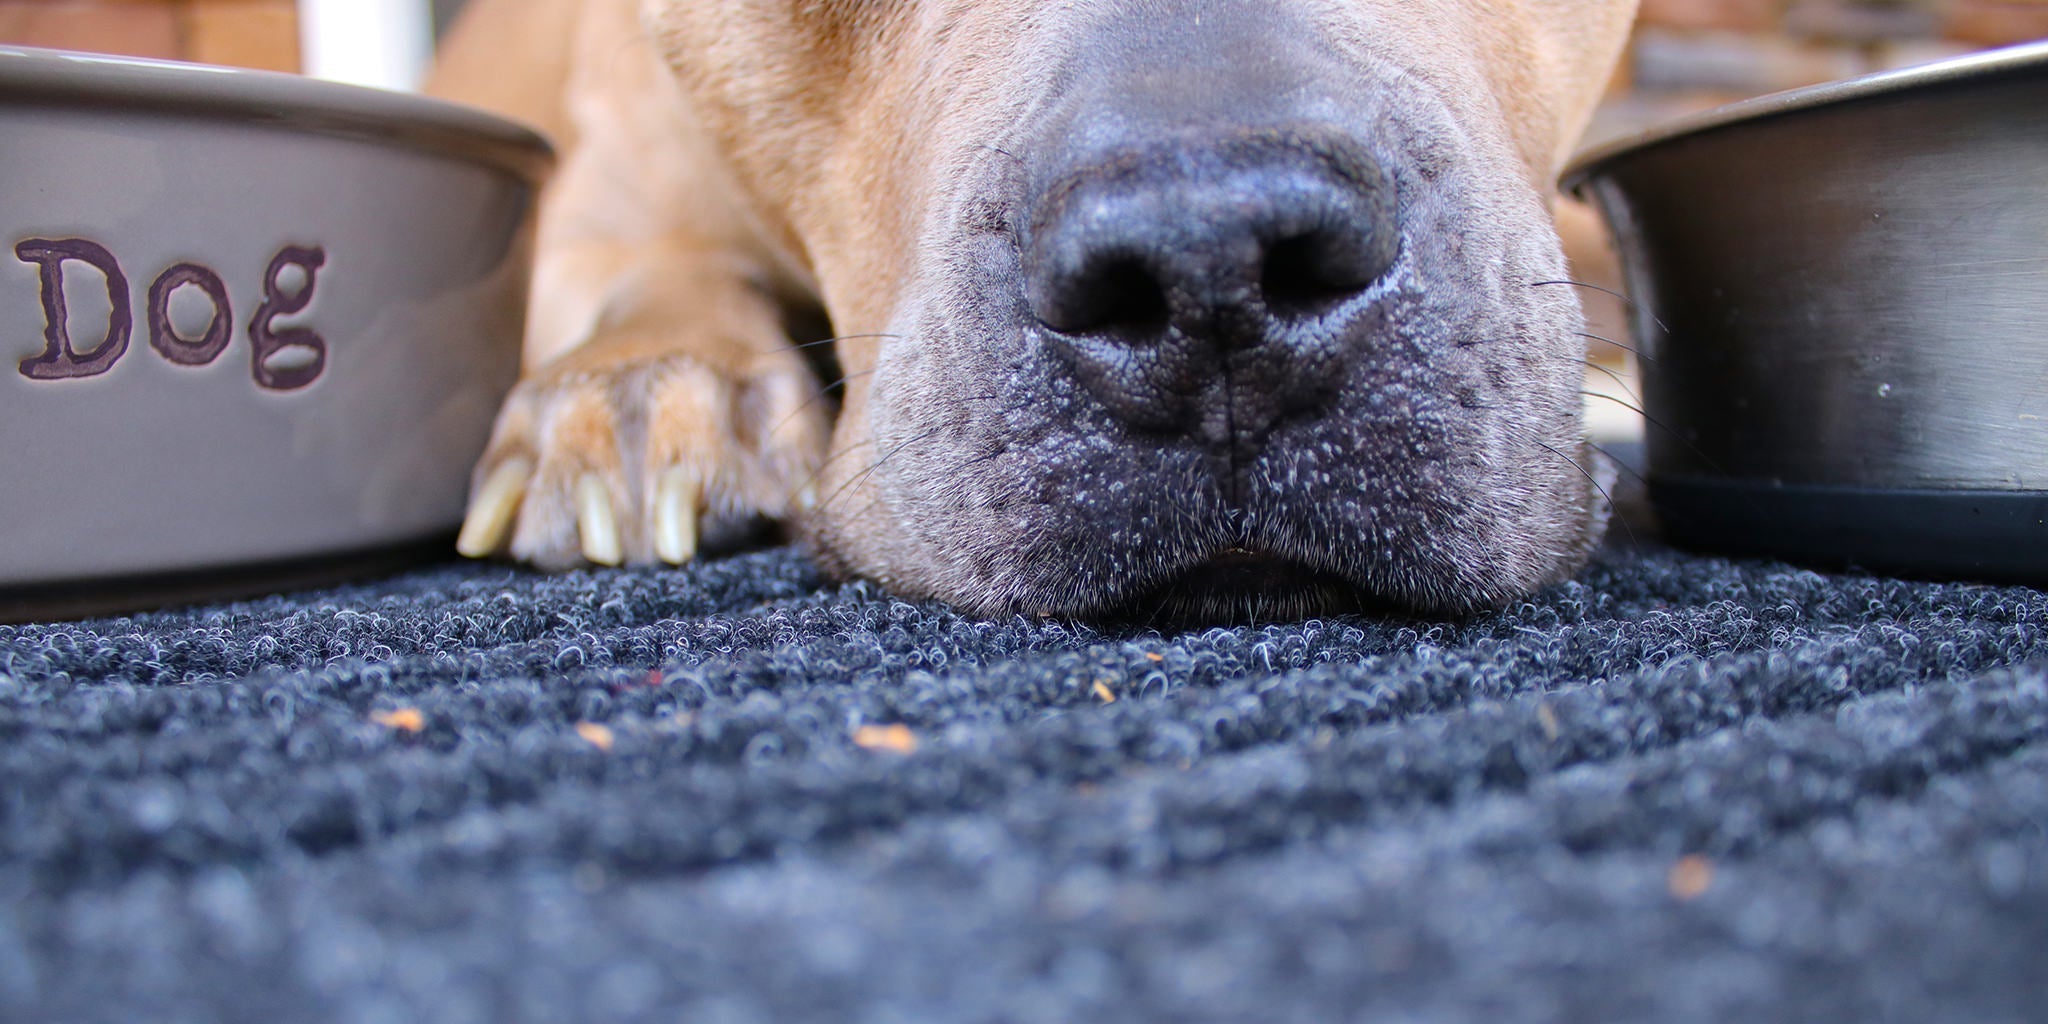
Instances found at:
x=1156 y=269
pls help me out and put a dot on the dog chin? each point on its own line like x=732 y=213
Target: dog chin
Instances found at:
x=1240 y=585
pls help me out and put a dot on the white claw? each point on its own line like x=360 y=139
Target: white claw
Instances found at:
x=596 y=523
x=675 y=516
x=492 y=509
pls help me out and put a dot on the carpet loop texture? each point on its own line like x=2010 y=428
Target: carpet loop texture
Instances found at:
x=1675 y=788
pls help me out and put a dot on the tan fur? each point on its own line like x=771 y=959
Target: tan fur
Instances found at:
x=721 y=156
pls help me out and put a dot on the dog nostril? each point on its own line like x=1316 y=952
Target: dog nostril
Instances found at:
x=1296 y=282
x=1207 y=247
x=1121 y=297
x=1309 y=274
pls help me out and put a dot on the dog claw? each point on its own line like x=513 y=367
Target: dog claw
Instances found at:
x=675 y=516
x=597 y=524
x=492 y=510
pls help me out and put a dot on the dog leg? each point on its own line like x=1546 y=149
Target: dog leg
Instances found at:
x=661 y=400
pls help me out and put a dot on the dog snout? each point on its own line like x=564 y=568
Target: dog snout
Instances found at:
x=1159 y=270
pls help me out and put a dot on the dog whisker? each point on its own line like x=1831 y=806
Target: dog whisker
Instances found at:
x=1634 y=407
x=1618 y=464
x=1668 y=431
x=1004 y=152
x=1581 y=284
x=830 y=458
x=1618 y=379
x=1625 y=300
x=850 y=449
x=823 y=393
x=1614 y=513
x=1630 y=349
x=1673 y=434
x=840 y=338
x=857 y=478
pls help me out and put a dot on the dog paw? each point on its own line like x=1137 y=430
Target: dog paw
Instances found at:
x=635 y=462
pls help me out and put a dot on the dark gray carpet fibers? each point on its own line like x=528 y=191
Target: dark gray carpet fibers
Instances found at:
x=1678 y=788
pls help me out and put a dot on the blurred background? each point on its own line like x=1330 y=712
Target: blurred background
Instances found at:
x=384 y=43
x=1687 y=55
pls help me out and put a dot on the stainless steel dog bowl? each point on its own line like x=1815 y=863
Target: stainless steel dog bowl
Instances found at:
x=248 y=323
x=1840 y=295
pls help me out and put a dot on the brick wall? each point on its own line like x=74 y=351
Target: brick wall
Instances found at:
x=242 y=33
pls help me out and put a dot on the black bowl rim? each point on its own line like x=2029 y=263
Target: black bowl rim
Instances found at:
x=1590 y=163
x=32 y=76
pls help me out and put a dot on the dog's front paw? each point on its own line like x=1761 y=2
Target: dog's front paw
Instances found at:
x=634 y=459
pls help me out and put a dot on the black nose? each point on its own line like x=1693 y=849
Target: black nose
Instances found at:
x=1159 y=269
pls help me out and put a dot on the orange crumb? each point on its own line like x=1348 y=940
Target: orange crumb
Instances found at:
x=403 y=719
x=896 y=738
x=1104 y=693
x=596 y=735
x=1690 y=877
x=1154 y=656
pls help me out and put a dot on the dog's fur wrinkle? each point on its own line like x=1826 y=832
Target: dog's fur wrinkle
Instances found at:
x=893 y=158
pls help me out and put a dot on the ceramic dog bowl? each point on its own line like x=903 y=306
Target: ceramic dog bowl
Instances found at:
x=249 y=323
x=1841 y=299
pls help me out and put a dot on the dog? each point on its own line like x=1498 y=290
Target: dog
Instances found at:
x=1223 y=307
